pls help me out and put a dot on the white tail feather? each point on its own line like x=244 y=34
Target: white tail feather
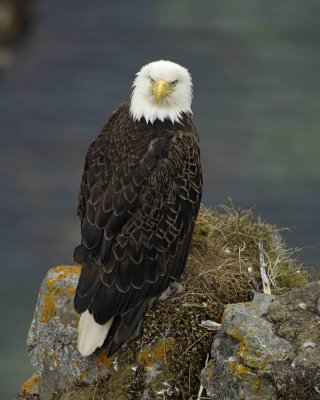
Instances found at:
x=91 y=334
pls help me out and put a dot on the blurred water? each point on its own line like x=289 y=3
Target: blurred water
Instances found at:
x=255 y=66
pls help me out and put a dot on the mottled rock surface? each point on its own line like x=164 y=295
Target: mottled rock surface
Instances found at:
x=268 y=349
x=62 y=373
x=296 y=317
x=52 y=338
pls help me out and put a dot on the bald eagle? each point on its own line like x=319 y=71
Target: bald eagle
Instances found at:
x=139 y=198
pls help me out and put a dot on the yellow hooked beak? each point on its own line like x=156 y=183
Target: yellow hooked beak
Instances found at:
x=160 y=89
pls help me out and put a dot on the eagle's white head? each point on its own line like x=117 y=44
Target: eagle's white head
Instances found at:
x=161 y=90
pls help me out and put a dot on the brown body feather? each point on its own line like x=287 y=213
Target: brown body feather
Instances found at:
x=139 y=198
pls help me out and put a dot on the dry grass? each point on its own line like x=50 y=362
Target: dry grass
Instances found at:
x=225 y=246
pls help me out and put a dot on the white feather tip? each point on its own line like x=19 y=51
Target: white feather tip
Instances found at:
x=91 y=334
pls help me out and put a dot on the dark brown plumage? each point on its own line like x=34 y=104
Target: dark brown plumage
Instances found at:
x=139 y=198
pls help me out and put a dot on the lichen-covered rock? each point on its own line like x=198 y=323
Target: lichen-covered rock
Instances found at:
x=243 y=345
x=53 y=335
x=267 y=349
x=296 y=317
x=62 y=373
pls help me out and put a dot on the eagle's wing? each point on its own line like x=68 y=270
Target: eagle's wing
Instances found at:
x=137 y=223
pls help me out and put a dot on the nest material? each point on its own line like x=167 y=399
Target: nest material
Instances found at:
x=224 y=250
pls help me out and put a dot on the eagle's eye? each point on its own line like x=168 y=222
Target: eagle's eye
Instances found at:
x=151 y=80
x=173 y=83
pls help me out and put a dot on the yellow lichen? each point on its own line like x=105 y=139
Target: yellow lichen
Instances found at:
x=53 y=290
x=235 y=333
x=239 y=370
x=30 y=384
x=255 y=385
x=71 y=290
x=157 y=352
x=103 y=359
x=49 y=308
x=248 y=357
x=242 y=352
x=67 y=270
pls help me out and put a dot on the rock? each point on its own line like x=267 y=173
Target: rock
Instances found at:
x=32 y=385
x=62 y=373
x=267 y=349
x=52 y=338
x=299 y=376
x=243 y=345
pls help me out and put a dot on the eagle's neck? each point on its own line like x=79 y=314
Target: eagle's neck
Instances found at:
x=147 y=108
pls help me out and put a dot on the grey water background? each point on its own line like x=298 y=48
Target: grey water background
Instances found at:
x=255 y=66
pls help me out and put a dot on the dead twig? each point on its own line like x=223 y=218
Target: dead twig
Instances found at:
x=192 y=345
x=210 y=325
x=264 y=277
